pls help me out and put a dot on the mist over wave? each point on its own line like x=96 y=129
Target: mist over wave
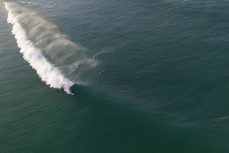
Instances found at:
x=46 y=49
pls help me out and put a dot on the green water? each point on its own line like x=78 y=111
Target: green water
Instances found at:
x=164 y=86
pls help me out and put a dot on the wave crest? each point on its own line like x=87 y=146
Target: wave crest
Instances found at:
x=44 y=47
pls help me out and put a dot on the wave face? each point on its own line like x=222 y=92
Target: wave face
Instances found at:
x=43 y=46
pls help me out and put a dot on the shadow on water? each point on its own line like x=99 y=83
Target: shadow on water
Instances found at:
x=114 y=126
x=94 y=121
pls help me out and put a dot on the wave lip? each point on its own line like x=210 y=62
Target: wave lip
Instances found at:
x=48 y=73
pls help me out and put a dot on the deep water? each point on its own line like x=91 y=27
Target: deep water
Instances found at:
x=149 y=77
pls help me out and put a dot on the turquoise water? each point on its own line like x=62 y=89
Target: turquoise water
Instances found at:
x=149 y=76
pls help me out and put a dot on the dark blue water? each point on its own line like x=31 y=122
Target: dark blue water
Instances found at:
x=160 y=84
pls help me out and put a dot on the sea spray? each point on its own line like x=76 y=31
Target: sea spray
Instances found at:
x=47 y=72
x=45 y=48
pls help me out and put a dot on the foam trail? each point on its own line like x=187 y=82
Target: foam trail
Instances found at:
x=33 y=3
x=34 y=54
x=104 y=51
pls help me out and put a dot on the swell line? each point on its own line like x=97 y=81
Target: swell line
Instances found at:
x=43 y=40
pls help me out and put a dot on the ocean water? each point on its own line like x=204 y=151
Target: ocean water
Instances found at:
x=121 y=76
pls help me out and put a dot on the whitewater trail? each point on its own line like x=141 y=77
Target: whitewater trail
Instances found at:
x=38 y=40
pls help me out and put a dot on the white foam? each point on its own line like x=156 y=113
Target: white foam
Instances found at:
x=46 y=71
x=33 y=3
x=105 y=50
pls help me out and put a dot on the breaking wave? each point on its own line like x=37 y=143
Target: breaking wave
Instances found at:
x=43 y=46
